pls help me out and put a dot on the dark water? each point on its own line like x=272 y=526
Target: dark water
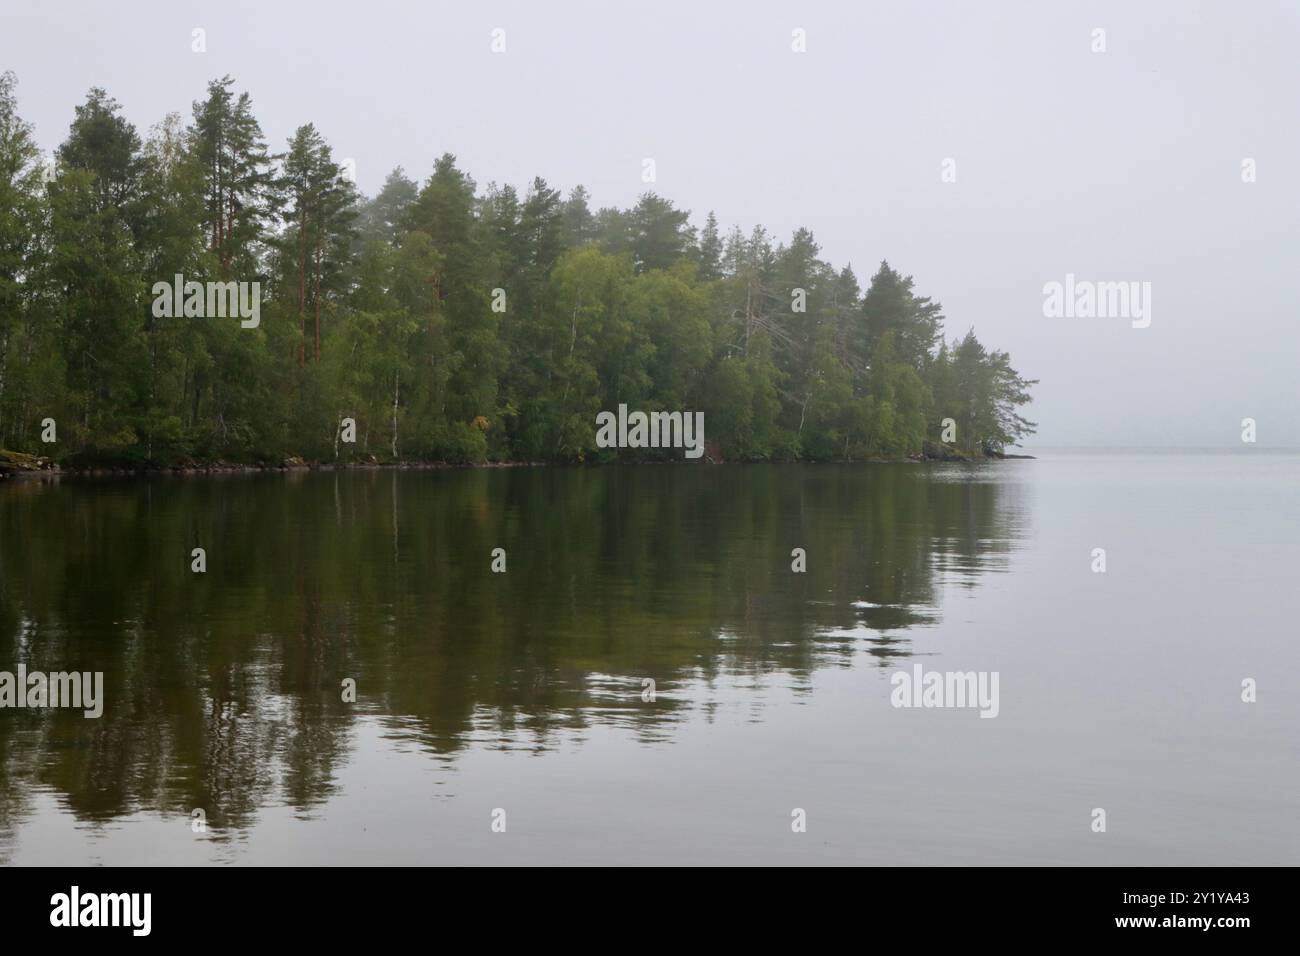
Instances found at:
x=523 y=691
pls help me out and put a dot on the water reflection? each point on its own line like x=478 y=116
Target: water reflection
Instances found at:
x=223 y=689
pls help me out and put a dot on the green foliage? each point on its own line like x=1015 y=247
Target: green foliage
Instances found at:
x=446 y=322
x=456 y=442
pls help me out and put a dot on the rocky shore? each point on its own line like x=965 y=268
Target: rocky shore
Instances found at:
x=18 y=464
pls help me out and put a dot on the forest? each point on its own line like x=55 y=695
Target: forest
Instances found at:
x=448 y=322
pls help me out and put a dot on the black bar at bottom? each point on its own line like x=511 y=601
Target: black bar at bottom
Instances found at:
x=335 y=905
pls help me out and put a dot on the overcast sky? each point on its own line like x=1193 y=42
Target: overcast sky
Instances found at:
x=1124 y=165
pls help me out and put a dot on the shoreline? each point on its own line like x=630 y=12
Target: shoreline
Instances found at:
x=19 y=465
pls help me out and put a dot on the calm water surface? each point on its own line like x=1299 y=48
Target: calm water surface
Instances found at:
x=523 y=690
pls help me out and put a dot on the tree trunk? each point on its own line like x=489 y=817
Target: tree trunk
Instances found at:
x=397 y=374
x=315 y=294
x=4 y=358
x=302 y=290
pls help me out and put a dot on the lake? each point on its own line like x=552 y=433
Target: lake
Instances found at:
x=521 y=700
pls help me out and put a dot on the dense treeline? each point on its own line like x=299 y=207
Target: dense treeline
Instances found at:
x=450 y=323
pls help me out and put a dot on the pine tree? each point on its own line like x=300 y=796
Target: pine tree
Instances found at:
x=709 y=252
x=239 y=185
x=21 y=229
x=321 y=207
